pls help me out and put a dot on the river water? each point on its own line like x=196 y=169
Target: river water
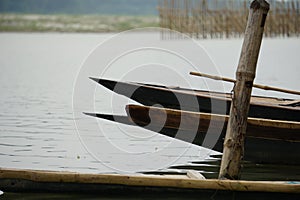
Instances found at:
x=39 y=130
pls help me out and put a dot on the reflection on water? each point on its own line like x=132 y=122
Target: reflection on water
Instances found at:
x=250 y=171
x=37 y=128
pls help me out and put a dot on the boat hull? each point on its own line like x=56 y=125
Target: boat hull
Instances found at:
x=202 y=101
x=257 y=149
x=267 y=141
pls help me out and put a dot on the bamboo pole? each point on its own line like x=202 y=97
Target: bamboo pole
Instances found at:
x=233 y=149
x=263 y=87
x=42 y=177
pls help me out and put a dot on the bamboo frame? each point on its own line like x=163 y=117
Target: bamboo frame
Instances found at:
x=219 y=18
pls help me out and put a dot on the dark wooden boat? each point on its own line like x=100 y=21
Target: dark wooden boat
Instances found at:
x=203 y=101
x=187 y=186
x=267 y=141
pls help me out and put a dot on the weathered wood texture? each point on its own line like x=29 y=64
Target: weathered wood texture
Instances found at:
x=219 y=18
x=233 y=150
x=37 y=177
x=159 y=118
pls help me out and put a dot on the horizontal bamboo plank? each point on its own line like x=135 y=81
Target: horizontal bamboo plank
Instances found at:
x=149 y=181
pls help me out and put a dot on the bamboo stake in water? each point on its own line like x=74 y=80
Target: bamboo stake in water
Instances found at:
x=233 y=148
x=264 y=87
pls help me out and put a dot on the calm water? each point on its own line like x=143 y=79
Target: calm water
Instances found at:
x=37 y=123
x=37 y=127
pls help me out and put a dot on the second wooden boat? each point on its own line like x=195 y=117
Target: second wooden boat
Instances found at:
x=267 y=141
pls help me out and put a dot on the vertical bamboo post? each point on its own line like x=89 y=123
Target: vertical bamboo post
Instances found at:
x=233 y=150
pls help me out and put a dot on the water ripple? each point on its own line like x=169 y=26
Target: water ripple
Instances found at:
x=15 y=145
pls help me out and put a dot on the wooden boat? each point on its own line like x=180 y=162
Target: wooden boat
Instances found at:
x=203 y=101
x=267 y=141
x=21 y=180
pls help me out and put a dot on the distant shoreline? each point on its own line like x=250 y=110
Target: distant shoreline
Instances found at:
x=74 y=23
